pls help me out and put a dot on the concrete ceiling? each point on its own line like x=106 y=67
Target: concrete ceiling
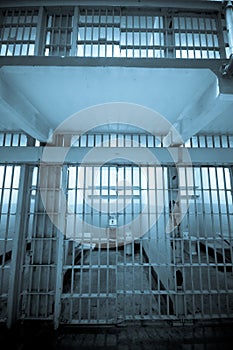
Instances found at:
x=38 y=99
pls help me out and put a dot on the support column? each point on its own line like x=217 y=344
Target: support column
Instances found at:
x=227 y=69
x=176 y=243
x=55 y=190
x=169 y=37
x=229 y=25
x=50 y=238
x=40 y=32
x=60 y=248
x=75 y=32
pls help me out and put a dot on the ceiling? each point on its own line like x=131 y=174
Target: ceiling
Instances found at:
x=37 y=99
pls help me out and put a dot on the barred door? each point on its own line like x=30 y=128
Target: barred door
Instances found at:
x=111 y=273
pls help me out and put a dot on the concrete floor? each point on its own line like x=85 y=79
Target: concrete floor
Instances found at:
x=130 y=337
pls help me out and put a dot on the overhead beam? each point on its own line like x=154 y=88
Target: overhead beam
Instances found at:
x=23 y=113
x=117 y=155
x=183 y=4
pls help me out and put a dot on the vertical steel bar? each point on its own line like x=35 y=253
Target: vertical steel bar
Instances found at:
x=99 y=32
x=220 y=36
x=68 y=34
x=212 y=34
x=85 y=34
x=58 y=285
x=40 y=33
x=106 y=33
x=30 y=34
x=113 y=39
x=92 y=29
x=98 y=311
x=62 y=180
x=91 y=272
x=206 y=37
x=187 y=44
x=180 y=37
x=200 y=39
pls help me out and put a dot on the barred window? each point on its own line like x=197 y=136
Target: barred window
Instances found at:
x=116 y=33
x=18 y=32
x=58 y=34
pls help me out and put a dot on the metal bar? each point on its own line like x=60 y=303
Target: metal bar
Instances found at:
x=58 y=286
x=220 y=35
x=67 y=35
x=92 y=29
x=40 y=31
x=85 y=34
x=29 y=37
x=32 y=155
x=59 y=29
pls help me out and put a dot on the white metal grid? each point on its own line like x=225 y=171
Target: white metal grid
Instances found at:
x=122 y=33
x=17 y=139
x=18 y=32
x=210 y=141
x=130 y=139
x=59 y=27
x=195 y=36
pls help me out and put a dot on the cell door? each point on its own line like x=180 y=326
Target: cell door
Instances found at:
x=112 y=233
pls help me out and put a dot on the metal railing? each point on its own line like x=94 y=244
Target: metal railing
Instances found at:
x=113 y=32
